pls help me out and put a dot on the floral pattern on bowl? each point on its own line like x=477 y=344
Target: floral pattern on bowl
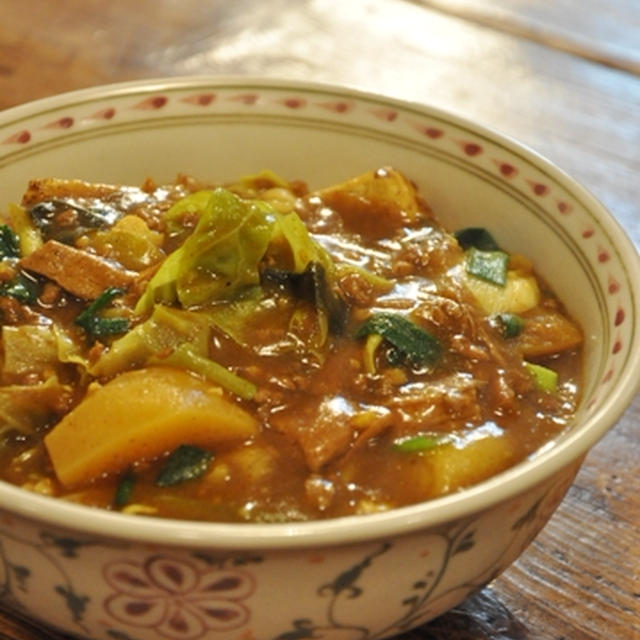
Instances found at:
x=103 y=589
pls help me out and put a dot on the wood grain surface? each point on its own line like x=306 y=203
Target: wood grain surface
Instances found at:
x=563 y=77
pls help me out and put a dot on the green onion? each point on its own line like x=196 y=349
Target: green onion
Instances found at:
x=545 y=379
x=9 y=245
x=490 y=266
x=418 y=443
x=187 y=462
x=22 y=288
x=511 y=324
x=410 y=342
x=98 y=326
x=124 y=489
x=185 y=357
x=477 y=237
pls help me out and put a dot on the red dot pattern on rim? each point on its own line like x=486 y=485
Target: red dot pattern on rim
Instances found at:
x=431 y=132
x=103 y=114
x=385 y=114
x=339 y=107
x=564 y=207
x=245 y=98
x=471 y=149
x=21 y=137
x=614 y=285
x=603 y=255
x=538 y=188
x=201 y=99
x=295 y=103
x=506 y=169
x=154 y=102
x=61 y=123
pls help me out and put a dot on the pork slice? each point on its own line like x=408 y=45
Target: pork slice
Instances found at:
x=83 y=274
x=428 y=405
x=42 y=189
x=327 y=428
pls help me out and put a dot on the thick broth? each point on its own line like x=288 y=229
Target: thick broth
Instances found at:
x=379 y=367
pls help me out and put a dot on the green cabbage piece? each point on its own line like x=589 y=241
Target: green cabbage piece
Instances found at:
x=162 y=332
x=221 y=255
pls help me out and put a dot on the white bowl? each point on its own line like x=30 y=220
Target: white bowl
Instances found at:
x=103 y=575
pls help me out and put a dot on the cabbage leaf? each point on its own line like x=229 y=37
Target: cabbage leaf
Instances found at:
x=221 y=255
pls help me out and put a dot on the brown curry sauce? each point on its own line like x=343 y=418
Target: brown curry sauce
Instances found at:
x=348 y=422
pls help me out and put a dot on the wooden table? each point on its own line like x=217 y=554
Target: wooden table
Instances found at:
x=561 y=76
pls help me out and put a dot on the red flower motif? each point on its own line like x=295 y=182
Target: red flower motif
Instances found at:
x=177 y=598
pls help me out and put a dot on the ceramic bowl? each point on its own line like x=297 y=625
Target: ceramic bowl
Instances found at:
x=107 y=576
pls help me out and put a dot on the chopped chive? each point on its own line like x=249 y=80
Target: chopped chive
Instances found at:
x=545 y=379
x=124 y=490
x=511 y=324
x=490 y=266
x=187 y=462
x=418 y=443
x=97 y=326
x=477 y=237
x=410 y=343
x=9 y=246
x=22 y=288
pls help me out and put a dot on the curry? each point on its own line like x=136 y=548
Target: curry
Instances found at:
x=260 y=352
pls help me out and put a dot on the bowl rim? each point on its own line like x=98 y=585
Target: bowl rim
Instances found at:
x=572 y=447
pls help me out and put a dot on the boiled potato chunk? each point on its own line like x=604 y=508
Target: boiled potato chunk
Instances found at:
x=457 y=467
x=140 y=415
x=520 y=294
x=547 y=332
x=377 y=202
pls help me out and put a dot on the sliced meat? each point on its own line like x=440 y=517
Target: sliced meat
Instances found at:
x=424 y=405
x=322 y=429
x=41 y=190
x=448 y=316
x=326 y=429
x=82 y=274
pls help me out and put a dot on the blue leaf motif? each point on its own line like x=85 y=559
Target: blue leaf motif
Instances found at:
x=346 y=581
x=77 y=604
